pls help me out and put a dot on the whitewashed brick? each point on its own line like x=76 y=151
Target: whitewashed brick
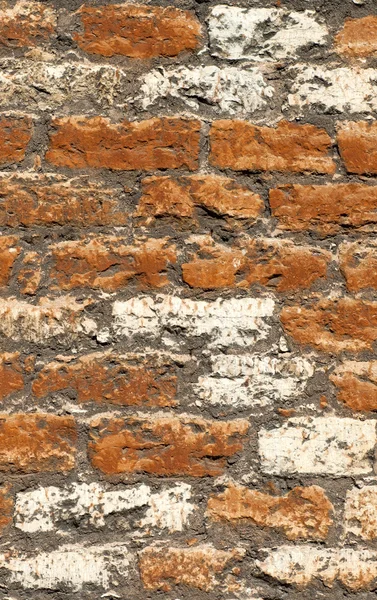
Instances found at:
x=44 y=509
x=323 y=445
x=355 y=569
x=262 y=33
x=227 y=89
x=72 y=566
x=360 y=512
x=227 y=322
x=341 y=89
x=253 y=381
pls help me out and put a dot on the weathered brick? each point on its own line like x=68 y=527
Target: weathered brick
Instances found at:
x=262 y=33
x=60 y=318
x=137 y=31
x=107 y=263
x=357 y=384
x=225 y=322
x=197 y=567
x=358 y=263
x=358 y=37
x=73 y=566
x=325 y=209
x=9 y=251
x=241 y=146
x=165 y=444
x=274 y=263
x=329 y=446
x=333 y=326
x=246 y=380
x=159 y=143
x=79 y=505
x=11 y=375
x=305 y=512
x=51 y=200
x=168 y=197
x=30 y=275
x=357 y=146
x=26 y=24
x=6 y=507
x=126 y=380
x=360 y=512
x=33 y=443
x=354 y=569
x=15 y=134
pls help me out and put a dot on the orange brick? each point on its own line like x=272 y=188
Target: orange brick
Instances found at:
x=165 y=444
x=358 y=263
x=166 y=143
x=129 y=380
x=358 y=37
x=137 y=31
x=357 y=146
x=9 y=251
x=11 y=377
x=6 y=507
x=357 y=384
x=26 y=24
x=241 y=146
x=15 y=134
x=32 y=443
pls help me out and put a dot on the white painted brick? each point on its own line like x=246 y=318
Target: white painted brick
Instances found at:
x=61 y=317
x=360 y=512
x=228 y=89
x=323 y=445
x=227 y=322
x=341 y=89
x=261 y=33
x=44 y=509
x=355 y=569
x=48 y=85
x=253 y=381
x=72 y=566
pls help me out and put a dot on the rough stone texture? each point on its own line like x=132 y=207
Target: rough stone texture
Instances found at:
x=188 y=313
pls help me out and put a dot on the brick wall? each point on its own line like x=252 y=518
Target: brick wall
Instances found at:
x=188 y=310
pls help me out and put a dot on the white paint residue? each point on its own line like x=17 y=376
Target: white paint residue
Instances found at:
x=360 y=512
x=227 y=322
x=262 y=33
x=326 y=445
x=44 y=508
x=228 y=89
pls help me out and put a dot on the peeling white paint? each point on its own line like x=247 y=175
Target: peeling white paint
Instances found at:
x=72 y=566
x=301 y=564
x=253 y=381
x=45 y=508
x=360 y=512
x=227 y=322
x=228 y=89
x=323 y=445
x=341 y=89
x=262 y=33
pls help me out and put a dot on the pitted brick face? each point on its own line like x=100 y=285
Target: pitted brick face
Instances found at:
x=188 y=310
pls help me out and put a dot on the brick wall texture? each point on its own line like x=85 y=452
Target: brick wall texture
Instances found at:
x=188 y=300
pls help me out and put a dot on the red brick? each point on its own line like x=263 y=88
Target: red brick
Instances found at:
x=11 y=377
x=302 y=513
x=268 y=262
x=197 y=567
x=357 y=385
x=166 y=143
x=165 y=444
x=137 y=31
x=32 y=443
x=6 y=507
x=358 y=37
x=26 y=24
x=9 y=251
x=344 y=325
x=128 y=380
x=15 y=134
x=241 y=146
x=357 y=144
x=180 y=197
x=358 y=263
x=325 y=209
x=48 y=201
x=106 y=263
